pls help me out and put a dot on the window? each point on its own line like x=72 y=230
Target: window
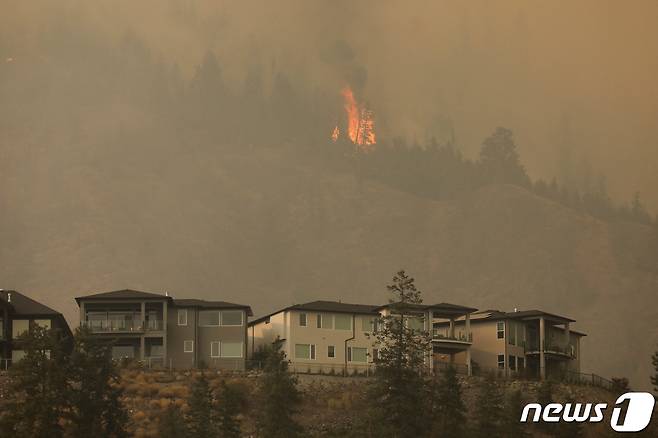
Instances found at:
x=232 y=317
x=43 y=323
x=188 y=346
x=17 y=355
x=182 y=316
x=19 y=326
x=500 y=330
x=209 y=318
x=520 y=363
x=512 y=333
x=214 y=349
x=325 y=321
x=304 y=351
x=231 y=349
x=367 y=324
x=343 y=322
x=302 y=319
x=501 y=361
x=512 y=362
x=375 y=354
x=415 y=323
x=331 y=351
x=357 y=354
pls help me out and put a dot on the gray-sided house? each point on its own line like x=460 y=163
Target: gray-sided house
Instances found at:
x=161 y=330
x=18 y=315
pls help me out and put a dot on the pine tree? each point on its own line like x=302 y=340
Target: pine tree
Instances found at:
x=172 y=423
x=449 y=411
x=279 y=398
x=488 y=406
x=40 y=387
x=228 y=409
x=96 y=399
x=511 y=424
x=399 y=387
x=200 y=420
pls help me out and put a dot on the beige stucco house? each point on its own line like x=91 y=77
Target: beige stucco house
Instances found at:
x=530 y=342
x=330 y=336
x=161 y=330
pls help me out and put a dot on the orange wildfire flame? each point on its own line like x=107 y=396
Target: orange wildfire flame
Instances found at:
x=360 y=124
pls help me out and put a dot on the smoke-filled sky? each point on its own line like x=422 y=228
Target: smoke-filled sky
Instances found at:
x=575 y=81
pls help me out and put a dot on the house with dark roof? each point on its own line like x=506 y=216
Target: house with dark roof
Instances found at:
x=529 y=342
x=18 y=315
x=163 y=331
x=332 y=336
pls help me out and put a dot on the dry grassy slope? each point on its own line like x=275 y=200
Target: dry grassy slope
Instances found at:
x=267 y=230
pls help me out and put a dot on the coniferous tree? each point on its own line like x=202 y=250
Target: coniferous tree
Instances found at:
x=399 y=387
x=229 y=402
x=40 y=387
x=172 y=423
x=449 y=412
x=500 y=160
x=96 y=397
x=511 y=426
x=200 y=419
x=488 y=406
x=279 y=397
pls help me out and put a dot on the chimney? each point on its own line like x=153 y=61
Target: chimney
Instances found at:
x=9 y=297
x=516 y=310
x=166 y=294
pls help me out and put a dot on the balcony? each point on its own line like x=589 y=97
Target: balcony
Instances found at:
x=551 y=347
x=440 y=336
x=123 y=326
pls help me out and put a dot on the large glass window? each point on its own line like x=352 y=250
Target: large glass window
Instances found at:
x=209 y=318
x=324 y=321
x=214 y=349
x=232 y=349
x=17 y=355
x=19 y=326
x=232 y=317
x=368 y=324
x=512 y=333
x=500 y=330
x=182 y=316
x=304 y=351
x=43 y=323
x=415 y=323
x=343 y=322
x=358 y=354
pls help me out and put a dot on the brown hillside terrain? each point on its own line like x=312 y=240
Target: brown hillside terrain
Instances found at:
x=270 y=230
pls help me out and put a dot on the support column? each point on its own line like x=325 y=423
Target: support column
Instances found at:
x=467 y=329
x=164 y=336
x=542 y=357
x=143 y=323
x=451 y=333
x=567 y=333
x=430 y=329
x=142 y=345
x=82 y=313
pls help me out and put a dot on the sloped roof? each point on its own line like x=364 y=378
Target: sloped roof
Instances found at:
x=325 y=306
x=437 y=308
x=121 y=294
x=23 y=305
x=191 y=302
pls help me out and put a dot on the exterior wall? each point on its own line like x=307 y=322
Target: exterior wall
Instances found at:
x=486 y=346
x=178 y=334
x=286 y=326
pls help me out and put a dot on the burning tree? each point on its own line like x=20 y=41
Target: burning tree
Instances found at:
x=360 y=123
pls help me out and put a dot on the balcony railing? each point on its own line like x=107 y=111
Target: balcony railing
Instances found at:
x=551 y=347
x=462 y=337
x=123 y=326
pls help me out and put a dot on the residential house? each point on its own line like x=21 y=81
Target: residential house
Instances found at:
x=18 y=315
x=161 y=330
x=531 y=342
x=330 y=336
